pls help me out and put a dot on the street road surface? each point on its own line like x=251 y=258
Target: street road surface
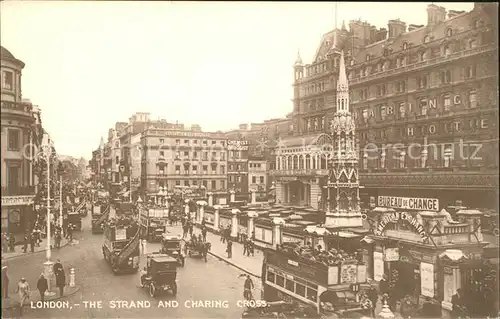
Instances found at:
x=199 y=283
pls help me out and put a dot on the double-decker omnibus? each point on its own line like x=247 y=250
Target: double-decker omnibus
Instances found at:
x=329 y=290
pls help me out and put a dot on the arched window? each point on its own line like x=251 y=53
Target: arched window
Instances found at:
x=475 y=24
x=426 y=39
x=449 y=32
x=422 y=55
x=367 y=57
x=472 y=44
x=405 y=45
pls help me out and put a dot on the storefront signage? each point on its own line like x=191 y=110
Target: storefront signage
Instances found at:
x=416 y=203
x=391 y=254
x=394 y=218
x=427 y=279
x=291 y=239
x=17 y=200
x=378 y=265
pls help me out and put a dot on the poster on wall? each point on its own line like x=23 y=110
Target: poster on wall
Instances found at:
x=378 y=265
x=427 y=279
x=391 y=254
x=348 y=274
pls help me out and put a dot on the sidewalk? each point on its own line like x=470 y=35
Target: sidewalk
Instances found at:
x=251 y=265
x=13 y=300
x=43 y=247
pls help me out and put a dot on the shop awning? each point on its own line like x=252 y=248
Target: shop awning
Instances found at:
x=453 y=254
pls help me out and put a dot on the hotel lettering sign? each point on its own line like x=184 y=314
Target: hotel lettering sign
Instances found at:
x=17 y=200
x=298 y=268
x=399 y=216
x=415 y=203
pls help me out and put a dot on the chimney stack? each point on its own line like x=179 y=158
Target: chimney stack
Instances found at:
x=396 y=28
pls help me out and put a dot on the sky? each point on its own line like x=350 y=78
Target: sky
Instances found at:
x=218 y=64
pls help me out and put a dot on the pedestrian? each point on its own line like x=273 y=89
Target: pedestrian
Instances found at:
x=12 y=242
x=251 y=247
x=42 y=286
x=191 y=229
x=245 y=247
x=5 y=243
x=253 y=234
x=222 y=235
x=373 y=296
x=5 y=283
x=70 y=232
x=58 y=239
x=383 y=285
x=407 y=307
x=23 y=289
x=229 y=249
x=204 y=233
x=203 y=222
x=32 y=242
x=457 y=301
x=60 y=280
x=25 y=244
x=144 y=244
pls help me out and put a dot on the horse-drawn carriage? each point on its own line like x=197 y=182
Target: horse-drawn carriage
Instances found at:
x=196 y=248
x=171 y=245
x=160 y=274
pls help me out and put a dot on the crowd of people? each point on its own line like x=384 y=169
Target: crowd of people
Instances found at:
x=308 y=253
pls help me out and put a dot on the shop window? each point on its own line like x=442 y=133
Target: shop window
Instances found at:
x=14 y=140
x=472 y=99
x=290 y=285
x=271 y=277
x=280 y=281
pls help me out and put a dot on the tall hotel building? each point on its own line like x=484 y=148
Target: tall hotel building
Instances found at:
x=425 y=100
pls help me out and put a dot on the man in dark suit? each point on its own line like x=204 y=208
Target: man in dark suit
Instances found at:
x=457 y=310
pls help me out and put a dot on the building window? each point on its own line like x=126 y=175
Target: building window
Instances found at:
x=470 y=72
x=205 y=169
x=447 y=49
x=195 y=155
x=426 y=39
x=205 y=183
x=383 y=112
x=223 y=169
x=238 y=167
x=8 y=80
x=447 y=157
x=12 y=177
x=177 y=155
x=222 y=156
x=422 y=56
x=447 y=102
x=445 y=76
x=14 y=140
x=204 y=142
x=186 y=183
x=402 y=157
x=231 y=167
x=195 y=142
x=472 y=44
x=401 y=110
x=475 y=24
x=262 y=179
x=423 y=106
x=472 y=99
x=195 y=182
x=405 y=45
x=214 y=185
x=205 y=156
x=214 y=142
x=186 y=142
x=238 y=179
x=449 y=32
x=254 y=179
x=195 y=169
x=186 y=154
x=177 y=142
x=223 y=184
x=177 y=183
x=422 y=82
x=162 y=153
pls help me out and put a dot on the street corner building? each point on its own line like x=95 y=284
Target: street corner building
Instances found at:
x=22 y=134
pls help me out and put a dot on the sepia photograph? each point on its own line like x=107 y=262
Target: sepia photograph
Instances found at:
x=205 y=159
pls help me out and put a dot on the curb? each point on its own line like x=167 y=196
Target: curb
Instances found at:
x=233 y=264
x=54 y=299
x=36 y=252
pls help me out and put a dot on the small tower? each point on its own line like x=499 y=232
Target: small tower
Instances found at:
x=343 y=208
x=298 y=69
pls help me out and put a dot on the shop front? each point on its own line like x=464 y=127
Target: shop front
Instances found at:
x=17 y=214
x=409 y=247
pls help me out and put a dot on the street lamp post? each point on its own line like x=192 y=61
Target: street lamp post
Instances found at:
x=60 y=203
x=47 y=150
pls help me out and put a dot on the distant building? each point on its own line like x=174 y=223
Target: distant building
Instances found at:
x=257 y=174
